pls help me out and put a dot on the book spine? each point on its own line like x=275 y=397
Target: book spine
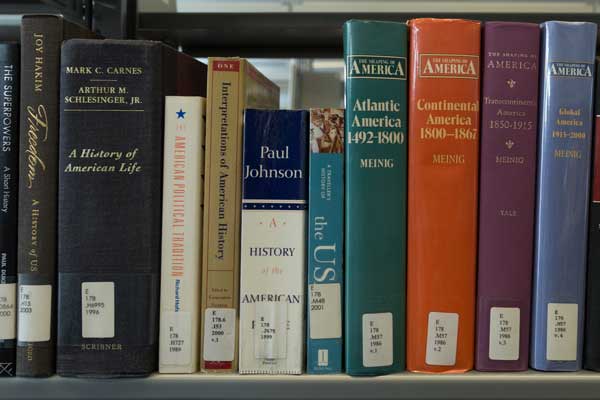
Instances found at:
x=183 y=171
x=507 y=194
x=565 y=138
x=233 y=85
x=325 y=241
x=9 y=164
x=443 y=193
x=591 y=356
x=41 y=38
x=110 y=194
x=222 y=210
x=375 y=181
x=273 y=243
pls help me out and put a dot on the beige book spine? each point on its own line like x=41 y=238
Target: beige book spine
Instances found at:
x=220 y=263
x=233 y=85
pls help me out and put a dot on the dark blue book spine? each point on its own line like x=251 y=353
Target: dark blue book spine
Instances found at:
x=567 y=79
x=109 y=201
x=9 y=164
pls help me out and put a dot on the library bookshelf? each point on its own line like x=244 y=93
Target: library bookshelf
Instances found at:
x=298 y=35
x=529 y=385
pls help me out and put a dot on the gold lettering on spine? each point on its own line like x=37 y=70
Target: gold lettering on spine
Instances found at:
x=38 y=64
x=37 y=129
x=568 y=121
x=101 y=347
x=33 y=254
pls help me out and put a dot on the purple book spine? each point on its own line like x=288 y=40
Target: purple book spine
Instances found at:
x=507 y=196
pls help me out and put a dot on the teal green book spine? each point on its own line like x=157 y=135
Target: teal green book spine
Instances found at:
x=325 y=241
x=375 y=215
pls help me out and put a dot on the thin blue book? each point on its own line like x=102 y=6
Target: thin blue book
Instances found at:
x=325 y=241
x=565 y=139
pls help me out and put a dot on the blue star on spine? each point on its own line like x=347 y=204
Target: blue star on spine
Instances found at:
x=180 y=114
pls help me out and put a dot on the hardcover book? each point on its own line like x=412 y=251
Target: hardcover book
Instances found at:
x=325 y=241
x=110 y=194
x=9 y=164
x=41 y=39
x=591 y=349
x=233 y=85
x=183 y=185
x=507 y=194
x=273 y=244
x=375 y=215
x=442 y=194
x=565 y=118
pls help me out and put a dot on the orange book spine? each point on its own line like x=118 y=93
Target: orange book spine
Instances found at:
x=443 y=161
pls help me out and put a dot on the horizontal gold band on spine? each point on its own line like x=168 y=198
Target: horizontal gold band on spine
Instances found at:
x=269 y=201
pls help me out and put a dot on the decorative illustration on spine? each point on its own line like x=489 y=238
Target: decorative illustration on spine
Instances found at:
x=233 y=85
x=507 y=194
x=9 y=164
x=183 y=184
x=110 y=195
x=273 y=243
x=591 y=350
x=375 y=181
x=565 y=140
x=325 y=241
x=41 y=39
x=443 y=168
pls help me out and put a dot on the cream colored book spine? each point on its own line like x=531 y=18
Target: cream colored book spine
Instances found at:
x=183 y=197
x=273 y=242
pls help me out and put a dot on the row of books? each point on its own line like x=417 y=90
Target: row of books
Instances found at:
x=82 y=151
x=484 y=198
x=211 y=248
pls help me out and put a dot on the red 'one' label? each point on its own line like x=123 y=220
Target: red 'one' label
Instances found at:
x=226 y=65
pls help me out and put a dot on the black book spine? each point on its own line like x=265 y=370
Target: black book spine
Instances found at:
x=41 y=37
x=9 y=164
x=110 y=195
x=591 y=350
